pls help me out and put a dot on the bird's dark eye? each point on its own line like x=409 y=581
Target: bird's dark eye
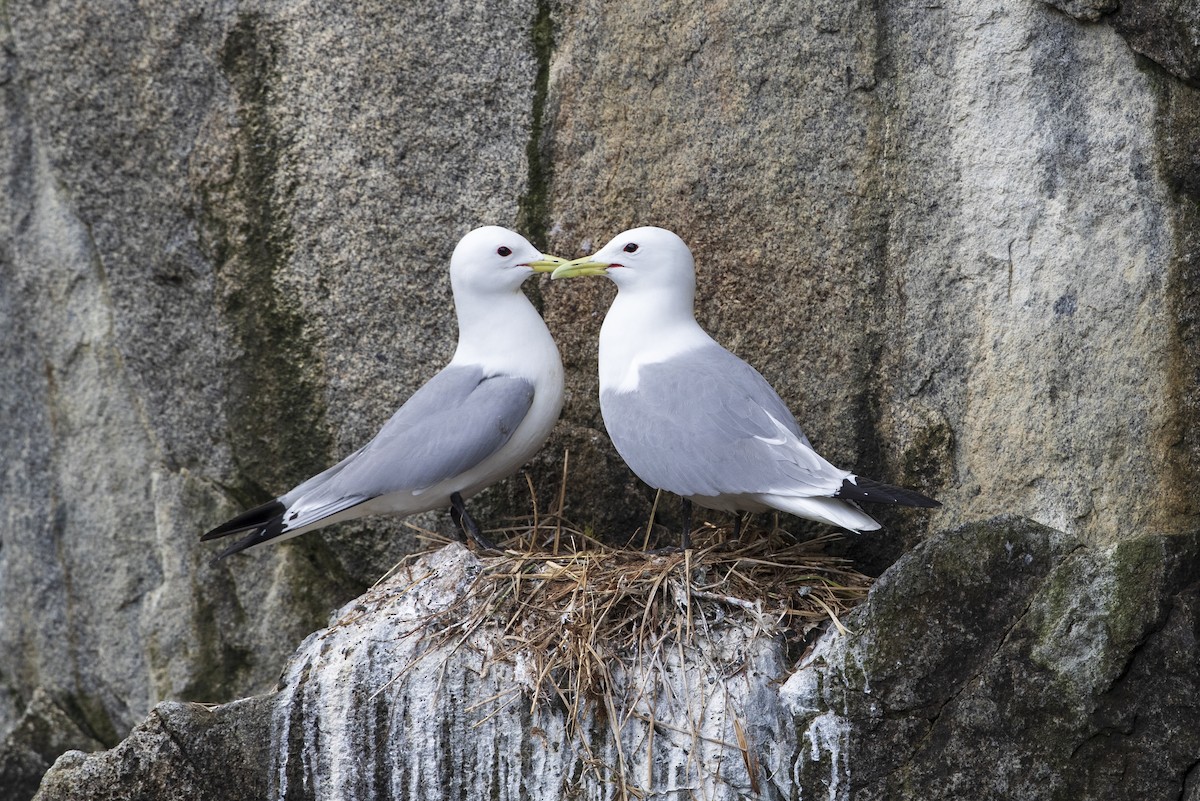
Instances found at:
x=631 y=248
x=503 y=251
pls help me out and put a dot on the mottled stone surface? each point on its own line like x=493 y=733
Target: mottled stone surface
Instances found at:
x=222 y=269
x=1089 y=10
x=1005 y=660
x=1165 y=31
x=997 y=660
x=961 y=238
x=43 y=731
x=181 y=752
x=942 y=231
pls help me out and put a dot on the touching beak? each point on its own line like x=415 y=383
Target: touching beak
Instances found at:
x=584 y=266
x=545 y=264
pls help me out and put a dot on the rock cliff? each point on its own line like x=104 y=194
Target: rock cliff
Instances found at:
x=960 y=238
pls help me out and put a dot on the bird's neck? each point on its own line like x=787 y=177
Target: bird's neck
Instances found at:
x=504 y=334
x=645 y=327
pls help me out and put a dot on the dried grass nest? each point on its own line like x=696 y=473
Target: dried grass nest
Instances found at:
x=577 y=618
x=571 y=607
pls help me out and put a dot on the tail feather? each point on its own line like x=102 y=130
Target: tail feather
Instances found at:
x=843 y=514
x=857 y=488
x=274 y=520
x=259 y=536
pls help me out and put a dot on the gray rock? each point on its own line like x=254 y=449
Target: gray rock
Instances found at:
x=43 y=731
x=223 y=268
x=961 y=239
x=180 y=752
x=940 y=230
x=1000 y=660
x=1166 y=31
x=1089 y=10
x=1006 y=661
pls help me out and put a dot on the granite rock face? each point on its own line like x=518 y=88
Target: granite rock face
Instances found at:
x=999 y=660
x=182 y=752
x=221 y=271
x=41 y=733
x=961 y=239
x=1008 y=661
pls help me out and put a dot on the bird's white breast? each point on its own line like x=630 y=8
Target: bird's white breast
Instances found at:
x=637 y=332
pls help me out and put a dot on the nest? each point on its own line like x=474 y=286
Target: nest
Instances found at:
x=557 y=590
x=577 y=617
x=571 y=606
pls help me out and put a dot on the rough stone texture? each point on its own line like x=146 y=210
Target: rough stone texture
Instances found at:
x=1167 y=31
x=942 y=231
x=181 y=752
x=1089 y=10
x=961 y=238
x=221 y=270
x=1006 y=661
x=42 y=733
x=998 y=660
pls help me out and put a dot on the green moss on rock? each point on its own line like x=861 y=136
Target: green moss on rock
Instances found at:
x=276 y=407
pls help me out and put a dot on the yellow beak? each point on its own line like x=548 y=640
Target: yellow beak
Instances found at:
x=546 y=263
x=578 y=267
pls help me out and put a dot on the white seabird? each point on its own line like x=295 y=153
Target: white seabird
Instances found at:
x=475 y=422
x=691 y=418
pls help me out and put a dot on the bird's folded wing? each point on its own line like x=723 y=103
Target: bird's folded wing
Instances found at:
x=450 y=425
x=706 y=423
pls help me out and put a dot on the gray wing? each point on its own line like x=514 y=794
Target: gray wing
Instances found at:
x=448 y=426
x=706 y=423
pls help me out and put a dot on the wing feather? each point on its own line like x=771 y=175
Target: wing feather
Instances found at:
x=450 y=425
x=707 y=423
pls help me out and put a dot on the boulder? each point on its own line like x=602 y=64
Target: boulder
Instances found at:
x=43 y=731
x=182 y=752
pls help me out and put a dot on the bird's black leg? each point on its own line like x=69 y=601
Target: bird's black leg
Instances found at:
x=462 y=518
x=685 y=539
x=737 y=526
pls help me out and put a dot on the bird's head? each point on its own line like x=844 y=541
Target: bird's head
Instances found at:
x=639 y=258
x=495 y=259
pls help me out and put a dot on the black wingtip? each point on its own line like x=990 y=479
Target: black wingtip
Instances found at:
x=263 y=522
x=258 y=517
x=261 y=535
x=866 y=490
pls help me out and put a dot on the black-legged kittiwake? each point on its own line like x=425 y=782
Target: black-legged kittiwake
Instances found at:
x=472 y=424
x=691 y=418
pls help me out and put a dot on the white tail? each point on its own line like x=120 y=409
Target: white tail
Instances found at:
x=824 y=510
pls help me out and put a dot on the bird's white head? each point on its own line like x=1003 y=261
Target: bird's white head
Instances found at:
x=640 y=258
x=492 y=259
